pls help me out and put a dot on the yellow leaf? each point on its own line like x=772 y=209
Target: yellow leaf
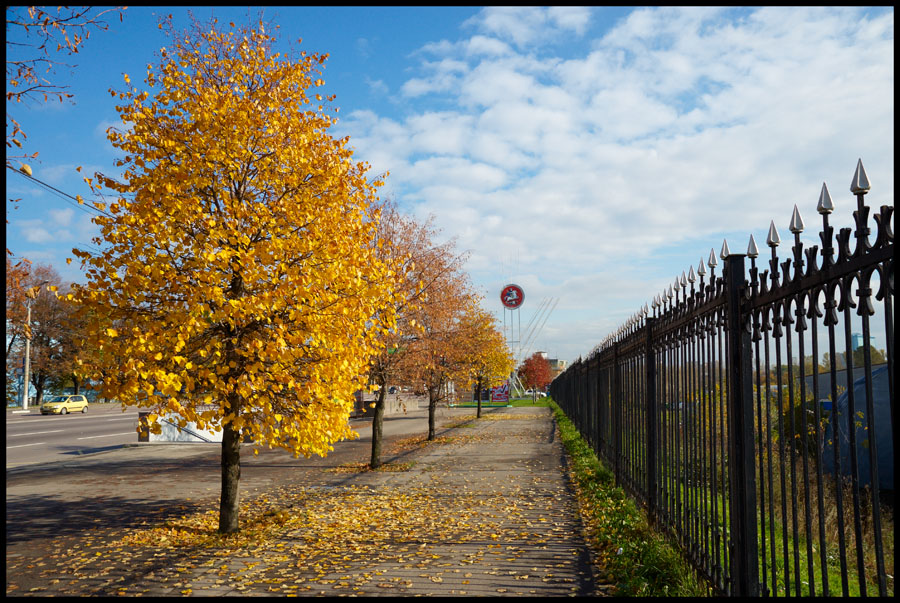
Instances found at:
x=26 y=169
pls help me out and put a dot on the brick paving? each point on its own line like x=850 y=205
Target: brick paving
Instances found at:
x=485 y=511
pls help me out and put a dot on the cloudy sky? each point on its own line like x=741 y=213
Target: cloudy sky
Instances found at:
x=589 y=155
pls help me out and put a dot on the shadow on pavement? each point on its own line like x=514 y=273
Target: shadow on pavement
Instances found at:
x=40 y=516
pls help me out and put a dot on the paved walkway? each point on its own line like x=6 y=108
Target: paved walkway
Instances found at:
x=486 y=510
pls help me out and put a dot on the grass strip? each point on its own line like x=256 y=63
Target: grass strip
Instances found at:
x=639 y=560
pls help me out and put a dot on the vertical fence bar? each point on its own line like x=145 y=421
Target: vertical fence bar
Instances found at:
x=615 y=404
x=650 y=365
x=744 y=562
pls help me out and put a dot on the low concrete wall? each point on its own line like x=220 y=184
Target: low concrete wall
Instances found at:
x=394 y=404
x=169 y=431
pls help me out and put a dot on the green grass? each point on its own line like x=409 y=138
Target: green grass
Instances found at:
x=540 y=402
x=640 y=561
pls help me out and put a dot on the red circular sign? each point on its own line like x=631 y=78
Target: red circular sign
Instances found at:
x=512 y=296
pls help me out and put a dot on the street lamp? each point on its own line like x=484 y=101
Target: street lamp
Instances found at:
x=31 y=293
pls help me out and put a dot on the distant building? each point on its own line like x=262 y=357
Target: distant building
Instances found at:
x=557 y=367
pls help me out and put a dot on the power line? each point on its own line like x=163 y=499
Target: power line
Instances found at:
x=65 y=196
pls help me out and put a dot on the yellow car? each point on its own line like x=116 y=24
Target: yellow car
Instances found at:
x=60 y=405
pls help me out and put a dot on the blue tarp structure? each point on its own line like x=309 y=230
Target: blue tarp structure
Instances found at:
x=884 y=440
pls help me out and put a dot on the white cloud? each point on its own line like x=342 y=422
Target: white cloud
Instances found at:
x=485 y=46
x=518 y=24
x=526 y=25
x=34 y=231
x=364 y=47
x=445 y=78
x=574 y=18
x=377 y=87
x=61 y=217
x=54 y=174
x=677 y=127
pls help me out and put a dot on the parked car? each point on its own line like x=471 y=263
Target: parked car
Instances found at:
x=60 y=405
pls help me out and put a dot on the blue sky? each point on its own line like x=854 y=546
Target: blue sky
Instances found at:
x=589 y=155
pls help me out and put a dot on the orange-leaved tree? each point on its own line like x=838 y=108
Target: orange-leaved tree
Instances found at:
x=435 y=357
x=17 y=274
x=426 y=265
x=535 y=372
x=239 y=286
x=486 y=357
x=406 y=243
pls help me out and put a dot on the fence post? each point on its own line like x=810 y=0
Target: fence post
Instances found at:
x=650 y=362
x=614 y=405
x=744 y=555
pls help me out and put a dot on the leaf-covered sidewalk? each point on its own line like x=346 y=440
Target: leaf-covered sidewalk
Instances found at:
x=484 y=510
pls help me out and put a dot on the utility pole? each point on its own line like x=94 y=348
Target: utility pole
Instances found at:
x=31 y=293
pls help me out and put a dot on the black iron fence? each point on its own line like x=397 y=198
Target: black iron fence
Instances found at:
x=751 y=412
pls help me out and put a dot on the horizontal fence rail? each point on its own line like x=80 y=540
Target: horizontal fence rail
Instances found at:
x=751 y=412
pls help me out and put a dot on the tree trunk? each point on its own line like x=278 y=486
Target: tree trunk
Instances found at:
x=77 y=382
x=229 y=508
x=38 y=380
x=478 y=397
x=432 y=406
x=229 y=501
x=231 y=476
x=377 y=425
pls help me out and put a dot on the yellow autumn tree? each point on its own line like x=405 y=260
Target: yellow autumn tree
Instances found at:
x=239 y=283
x=487 y=360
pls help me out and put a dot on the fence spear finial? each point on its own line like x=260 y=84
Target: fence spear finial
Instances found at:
x=752 y=249
x=860 y=184
x=773 y=239
x=712 y=258
x=826 y=205
x=701 y=269
x=796 y=226
x=725 y=252
x=691 y=276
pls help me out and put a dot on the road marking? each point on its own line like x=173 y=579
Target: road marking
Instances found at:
x=18 y=435
x=125 y=419
x=23 y=445
x=110 y=435
x=69 y=417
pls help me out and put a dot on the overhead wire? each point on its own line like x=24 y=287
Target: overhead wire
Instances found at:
x=63 y=195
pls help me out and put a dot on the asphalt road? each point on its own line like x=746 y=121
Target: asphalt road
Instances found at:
x=34 y=438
